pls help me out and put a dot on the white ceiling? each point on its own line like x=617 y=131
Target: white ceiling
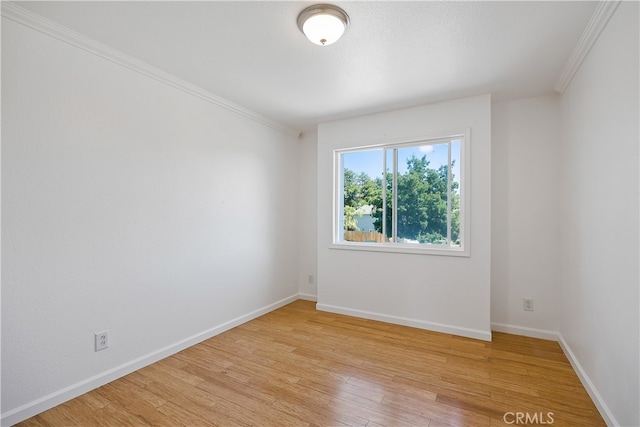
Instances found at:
x=395 y=53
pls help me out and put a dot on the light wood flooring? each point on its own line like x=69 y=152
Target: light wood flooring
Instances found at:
x=298 y=367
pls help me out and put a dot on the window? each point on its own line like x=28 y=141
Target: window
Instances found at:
x=407 y=197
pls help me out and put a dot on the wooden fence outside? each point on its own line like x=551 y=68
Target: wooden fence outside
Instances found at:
x=363 y=236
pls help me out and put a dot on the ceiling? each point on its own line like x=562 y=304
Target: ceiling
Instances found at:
x=395 y=54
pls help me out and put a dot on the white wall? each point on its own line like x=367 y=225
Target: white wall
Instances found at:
x=445 y=293
x=130 y=206
x=525 y=228
x=599 y=321
x=307 y=211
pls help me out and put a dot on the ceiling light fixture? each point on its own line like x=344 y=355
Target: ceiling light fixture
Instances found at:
x=323 y=24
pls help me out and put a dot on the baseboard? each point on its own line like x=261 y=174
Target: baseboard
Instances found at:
x=56 y=398
x=588 y=384
x=525 y=331
x=307 y=297
x=37 y=406
x=414 y=323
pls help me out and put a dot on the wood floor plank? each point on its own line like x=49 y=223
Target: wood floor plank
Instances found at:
x=185 y=416
x=298 y=367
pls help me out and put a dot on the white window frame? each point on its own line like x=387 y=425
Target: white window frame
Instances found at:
x=465 y=190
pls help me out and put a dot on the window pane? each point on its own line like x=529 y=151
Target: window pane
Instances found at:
x=404 y=194
x=455 y=193
x=422 y=194
x=362 y=196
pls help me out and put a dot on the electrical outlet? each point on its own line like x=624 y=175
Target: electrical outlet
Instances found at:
x=311 y=279
x=527 y=304
x=102 y=340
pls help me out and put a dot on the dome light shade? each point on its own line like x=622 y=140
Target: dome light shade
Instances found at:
x=323 y=24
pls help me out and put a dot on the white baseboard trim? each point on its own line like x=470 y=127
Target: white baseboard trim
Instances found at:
x=415 y=323
x=307 y=297
x=588 y=384
x=525 y=331
x=37 y=406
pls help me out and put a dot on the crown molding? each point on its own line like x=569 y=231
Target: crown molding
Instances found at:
x=596 y=24
x=45 y=26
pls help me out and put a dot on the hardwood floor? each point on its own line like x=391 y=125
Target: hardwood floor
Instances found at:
x=300 y=367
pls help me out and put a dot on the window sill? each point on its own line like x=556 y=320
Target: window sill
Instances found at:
x=399 y=248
